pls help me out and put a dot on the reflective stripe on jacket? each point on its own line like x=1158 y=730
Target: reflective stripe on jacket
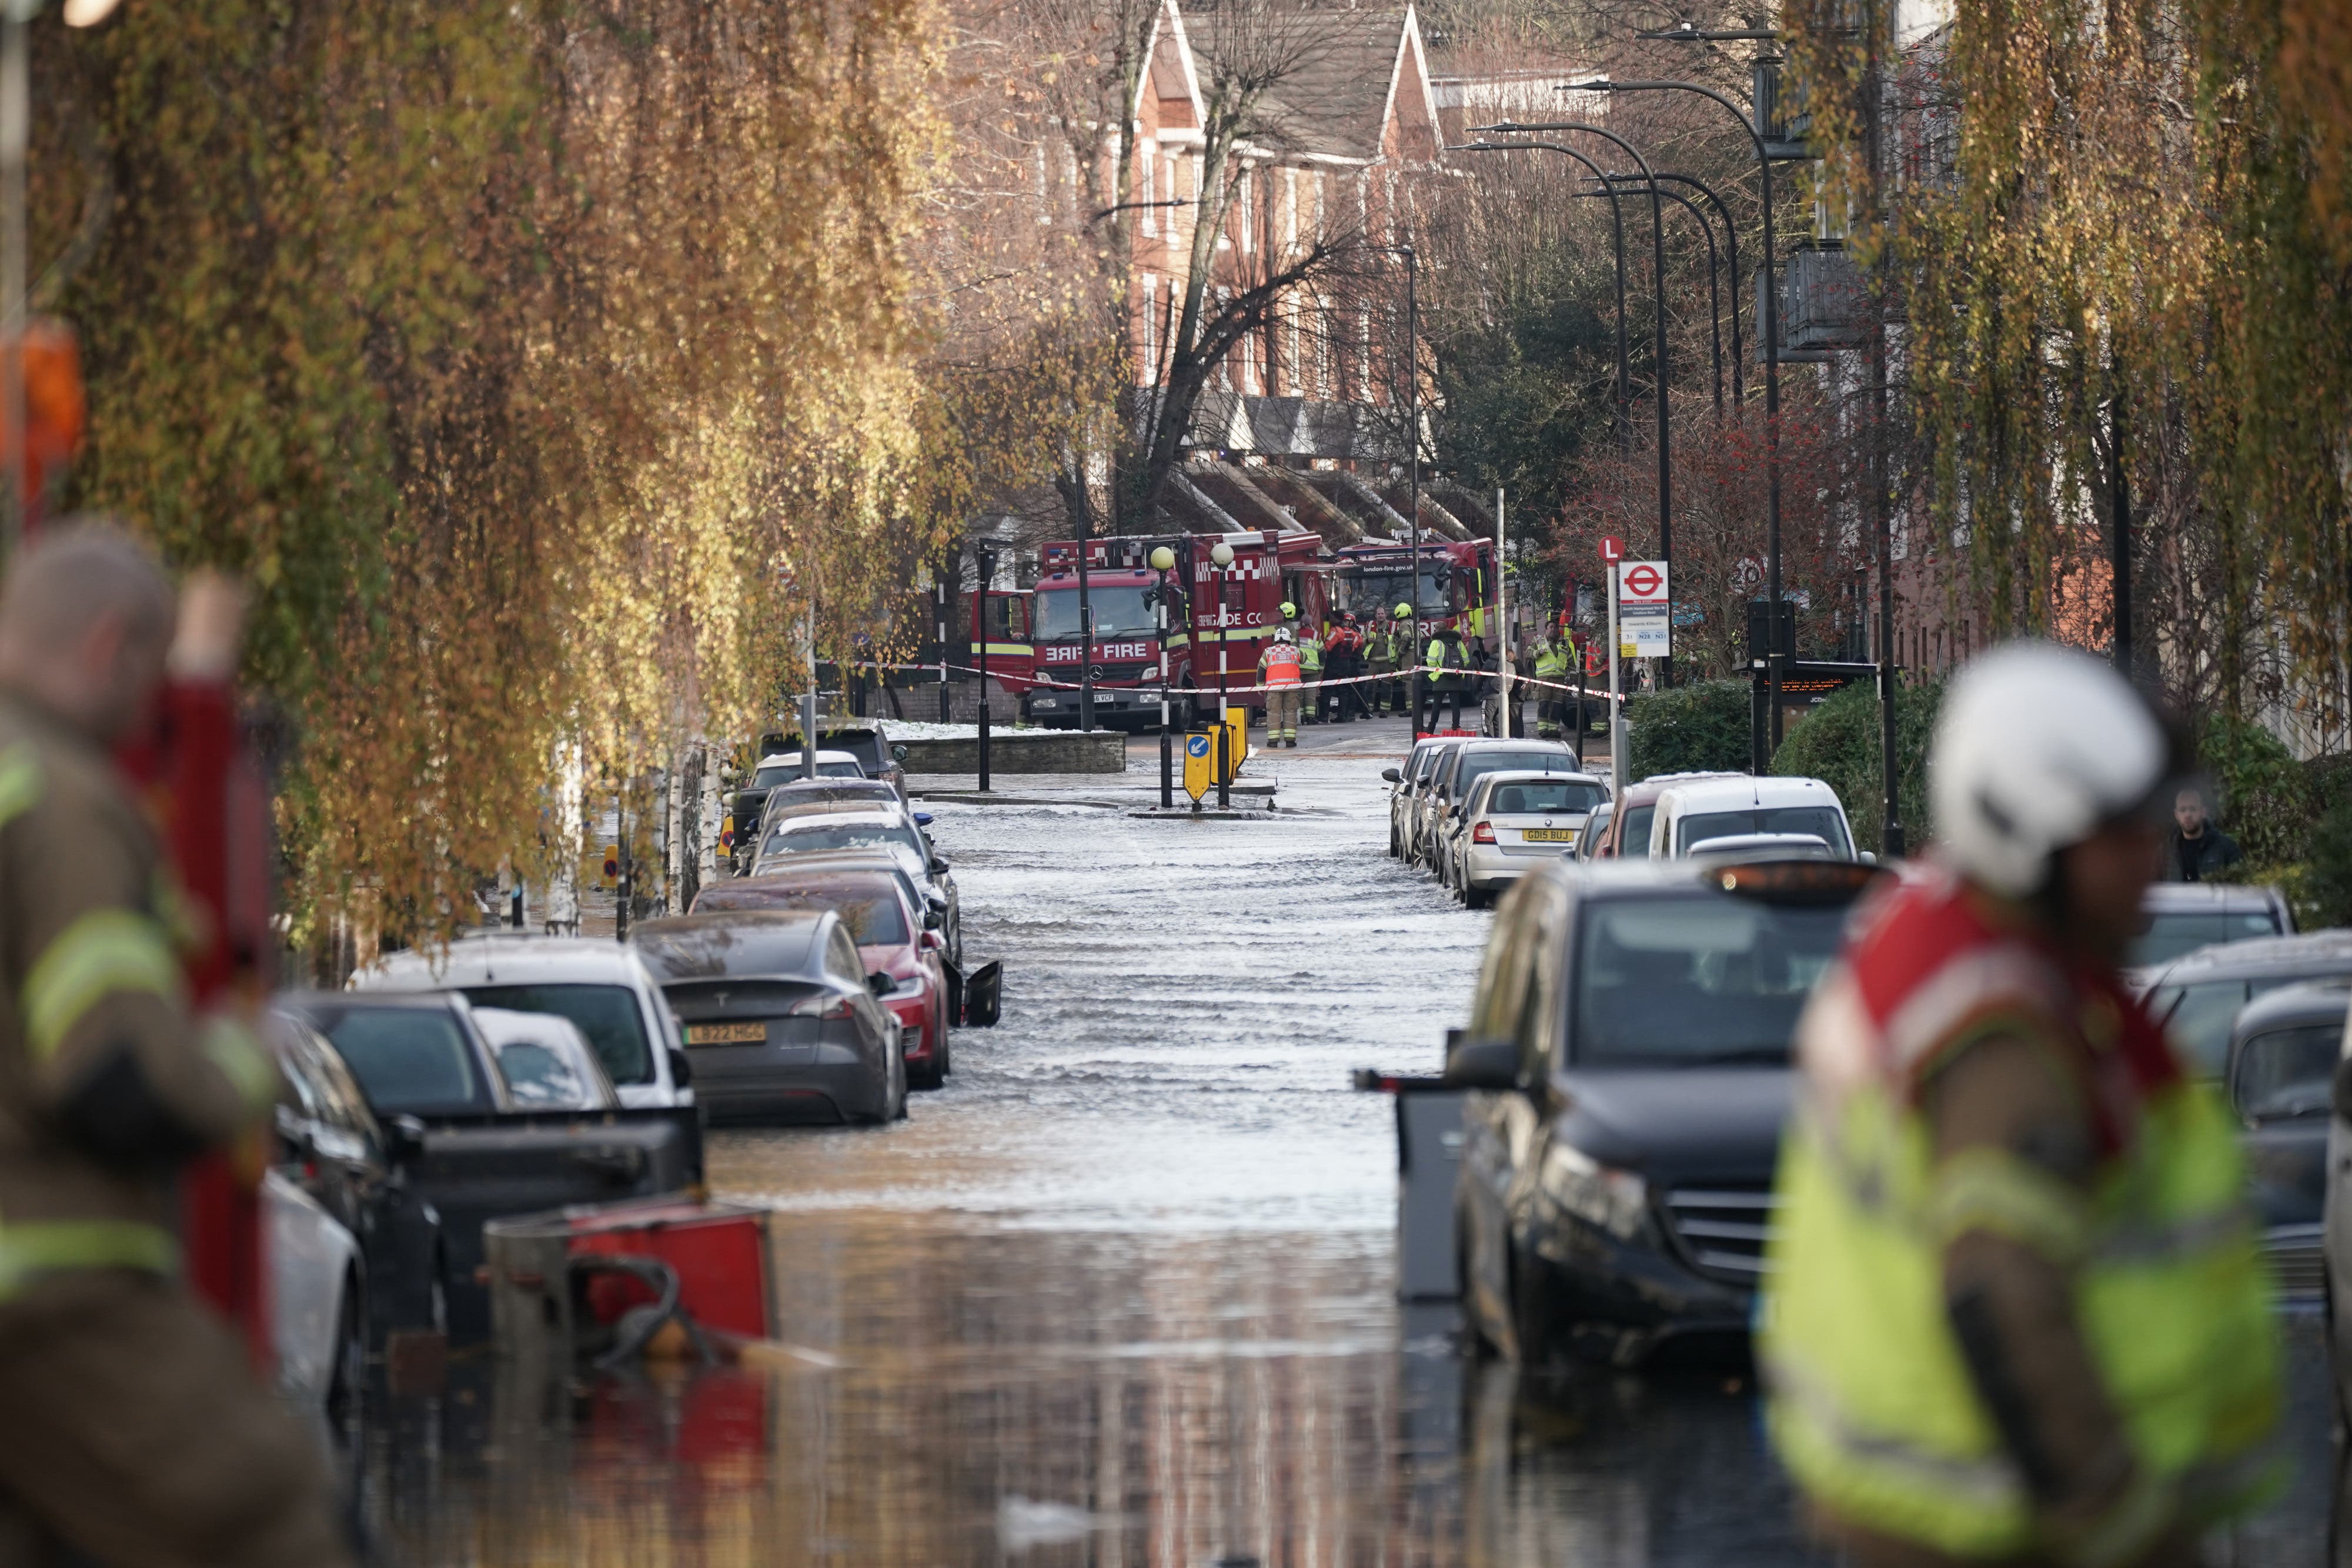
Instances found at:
x=1279 y=666
x=1874 y=1406
x=1444 y=662
x=1551 y=664
x=1310 y=657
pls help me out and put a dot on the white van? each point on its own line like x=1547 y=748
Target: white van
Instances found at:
x=603 y=987
x=1688 y=815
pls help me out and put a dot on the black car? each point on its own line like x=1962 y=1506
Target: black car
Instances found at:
x=1630 y=1043
x=2282 y=1071
x=418 y=1054
x=861 y=739
x=2197 y=997
x=359 y=1169
x=782 y=1022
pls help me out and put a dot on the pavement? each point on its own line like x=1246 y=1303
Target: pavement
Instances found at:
x=1122 y=1291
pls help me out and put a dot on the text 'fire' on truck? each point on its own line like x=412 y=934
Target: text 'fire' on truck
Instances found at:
x=1125 y=595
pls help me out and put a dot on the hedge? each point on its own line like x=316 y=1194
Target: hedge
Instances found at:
x=1837 y=743
x=1702 y=728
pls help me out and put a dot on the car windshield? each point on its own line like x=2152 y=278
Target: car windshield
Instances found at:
x=540 y=1079
x=789 y=837
x=1119 y=610
x=1823 y=822
x=1546 y=795
x=409 y=1059
x=1380 y=592
x=2287 y=1071
x=2173 y=932
x=1476 y=764
x=785 y=772
x=1696 y=977
x=608 y=1015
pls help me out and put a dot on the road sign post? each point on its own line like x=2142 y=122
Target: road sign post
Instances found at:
x=1616 y=723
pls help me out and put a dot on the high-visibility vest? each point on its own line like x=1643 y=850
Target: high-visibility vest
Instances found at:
x=1443 y=659
x=1551 y=663
x=1310 y=657
x=1872 y=1404
x=1279 y=664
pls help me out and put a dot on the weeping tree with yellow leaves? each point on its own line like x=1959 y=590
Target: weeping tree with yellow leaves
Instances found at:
x=2086 y=209
x=547 y=366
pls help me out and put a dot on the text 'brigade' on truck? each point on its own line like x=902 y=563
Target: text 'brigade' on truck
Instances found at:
x=1125 y=595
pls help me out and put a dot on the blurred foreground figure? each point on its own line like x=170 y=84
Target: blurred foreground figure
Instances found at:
x=135 y=1433
x=2016 y=1311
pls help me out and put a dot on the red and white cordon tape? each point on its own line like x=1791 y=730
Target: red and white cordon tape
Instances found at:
x=1516 y=681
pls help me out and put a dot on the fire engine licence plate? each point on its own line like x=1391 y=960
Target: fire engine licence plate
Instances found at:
x=1549 y=835
x=726 y=1033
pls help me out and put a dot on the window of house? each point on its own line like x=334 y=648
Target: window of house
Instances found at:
x=1150 y=192
x=1151 y=322
x=1243 y=218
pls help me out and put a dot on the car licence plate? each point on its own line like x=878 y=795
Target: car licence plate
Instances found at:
x=726 y=1033
x=1549 y=835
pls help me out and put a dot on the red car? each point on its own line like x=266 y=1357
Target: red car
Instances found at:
x=888 y=931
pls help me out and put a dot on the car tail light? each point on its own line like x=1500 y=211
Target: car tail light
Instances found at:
x=1484 y=833
x=828 y=1005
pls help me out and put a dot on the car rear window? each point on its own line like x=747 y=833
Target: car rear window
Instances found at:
x=414 y=1059
x=2287 y=1071
x=1686 y=980
x=1634 y=839
x=1568 y=795
x=1823 y=822
x=1476 y=764
x=540 y=1079
x=800 y=839
x=2177 y=931
x=608 y=1015
x=873 y=920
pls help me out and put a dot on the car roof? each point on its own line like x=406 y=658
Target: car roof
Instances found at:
x=2313 y=952
x=1646 y=791
x=503 y=1025
x=1621 y=877
x=806 y=808
x=2168 y=897
x=1748 y=789
x=312 y=1003
x=785 y=759
x=1750 y=846
x=737 y=942
x=506 y=958
x=835 y=789
x=859 y=814
x=1489 y=782
x=846 y=881
x=2311 y=1002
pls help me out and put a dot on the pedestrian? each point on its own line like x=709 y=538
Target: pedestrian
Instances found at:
x=2015 y=1308
x=137 y=1432
x=2196 y=849
x=1379 y=664
x=1278 y=672
x=1310 y=671
x=1445 y=671
x=1550 y=664
x=1408 y=649
x=1343 y=661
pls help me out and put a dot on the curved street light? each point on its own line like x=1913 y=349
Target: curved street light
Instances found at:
x=1714 y=286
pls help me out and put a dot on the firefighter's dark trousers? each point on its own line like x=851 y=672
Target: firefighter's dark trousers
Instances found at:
x=1439 y=696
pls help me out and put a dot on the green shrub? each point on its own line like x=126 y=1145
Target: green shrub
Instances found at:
x=2267 y=802
x=1700 y=727
x=2326 y=884
x=1837 y=743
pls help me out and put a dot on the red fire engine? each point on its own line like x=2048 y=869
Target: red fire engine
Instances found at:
x=1208 y=614
x=1457 y=583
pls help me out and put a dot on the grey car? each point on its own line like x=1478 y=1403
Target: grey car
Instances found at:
x=782 y=1023
x=2185 y=915
x=2282 y=1057
x=1450 y=784
x=889 y=830
x=2197 y=997
x=1404 y=780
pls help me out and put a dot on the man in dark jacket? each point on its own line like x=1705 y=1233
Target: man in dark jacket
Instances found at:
x=2196 y=849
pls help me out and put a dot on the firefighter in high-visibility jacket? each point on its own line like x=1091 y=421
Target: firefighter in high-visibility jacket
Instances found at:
x=1278 y=671
x=2015 y=1311
x=1551 y=664
x=137 y=1431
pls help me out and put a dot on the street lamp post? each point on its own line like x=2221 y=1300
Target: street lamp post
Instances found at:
x=1657 y=340
x=1221 y=556
x=1730 y=267
x=1163 y=561
x=987 y=557
x=1713 y=282
x=1771 y=336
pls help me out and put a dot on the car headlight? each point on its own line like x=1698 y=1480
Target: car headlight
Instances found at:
x=1617 y=1201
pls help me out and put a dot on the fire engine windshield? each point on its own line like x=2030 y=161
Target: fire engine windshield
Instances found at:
x=1380 y=592
x=1118 y=609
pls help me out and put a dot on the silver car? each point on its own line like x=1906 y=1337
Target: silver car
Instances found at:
x=1451 y=784
x=1512 y=820
x=890 y=831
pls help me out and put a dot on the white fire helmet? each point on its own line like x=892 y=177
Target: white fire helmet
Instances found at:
x=2036 y=747
x=1282 y=634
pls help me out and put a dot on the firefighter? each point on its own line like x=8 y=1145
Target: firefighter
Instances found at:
x=1550 y=664
x=2017 y=1311
x=1343 y=660
x=1310 y=671
x=1446 y=669
x=137 y=1432
x=1380 y=663
x=1278 y=672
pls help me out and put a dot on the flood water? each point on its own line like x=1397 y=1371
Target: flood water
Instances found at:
x=1123 y=1292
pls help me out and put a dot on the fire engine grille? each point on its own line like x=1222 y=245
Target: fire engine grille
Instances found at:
x=1721 y=1228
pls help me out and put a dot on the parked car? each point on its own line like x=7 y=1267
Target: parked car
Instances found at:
x=1459 y=768
x=892 y=832
x=784 y=1021
x=807 y=794
x=864 y=739
x=885 y=919
x=1511 y=820
x=1629 y=1043
x=422 y=1054
x=332 y=1145
x=2197 y=997
x=1403 y=781
x=1693 y=812
x=2284 y=1052
x=318 y=1307
x=777 y=767
x=602 y=987
x=546 y=1063
x=1627 y=833
x=1429 y=755
x=1596 y=827
x=2185 y=915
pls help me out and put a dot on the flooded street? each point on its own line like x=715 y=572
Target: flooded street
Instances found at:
x=1123 y=1292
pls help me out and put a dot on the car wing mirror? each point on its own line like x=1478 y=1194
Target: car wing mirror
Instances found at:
x=1489 y=1064
x=897 y=754
x=933 y=942
x=932 y=920
x=403 y=1140
x=880 y=984
x=939 y=862
x=681 y=1070
x=1392 y=775
x=922 y=819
